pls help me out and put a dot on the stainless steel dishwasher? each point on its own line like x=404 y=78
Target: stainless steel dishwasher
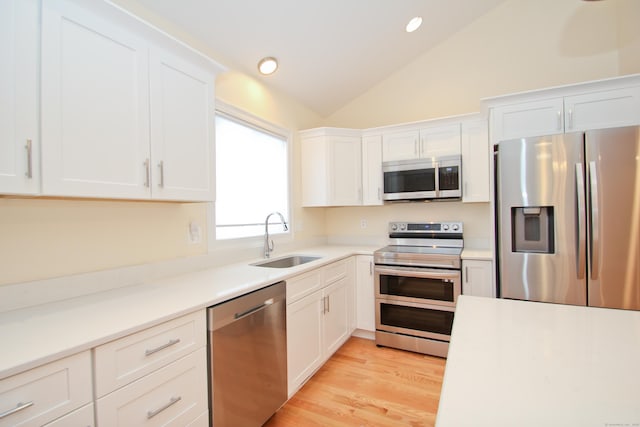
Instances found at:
x=248 y=358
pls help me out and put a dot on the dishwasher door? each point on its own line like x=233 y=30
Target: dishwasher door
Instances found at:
x=248 y=358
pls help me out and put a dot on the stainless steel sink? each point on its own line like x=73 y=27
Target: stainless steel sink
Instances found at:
x=285 y=262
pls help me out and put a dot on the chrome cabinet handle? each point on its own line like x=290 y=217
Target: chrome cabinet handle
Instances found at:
x=570 y=118
x=161 y=166
x=580 y=200
x=559 y=120
x=595 y=220
x=19 y=407
x=370 y=268
x=171 y=402
x=162 y=347
x=29 y=148
x=379 y=193
x=147 y=174
x=466 y=274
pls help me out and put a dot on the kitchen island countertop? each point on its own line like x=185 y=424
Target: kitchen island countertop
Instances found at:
x=520 y=363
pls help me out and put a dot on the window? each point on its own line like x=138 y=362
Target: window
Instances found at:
x=252 y=176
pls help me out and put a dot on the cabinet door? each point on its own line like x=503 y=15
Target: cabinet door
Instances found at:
x=42 y=394
x=304 y=339
x=182 y=120
x=475 y=161
x=315 y=176
x=372 y=170
x=336 y=315
x=606 y=109
x=345 y=171
x=440 y=141
x=535 y=118
x=95 y=105
x=365 y=294
x=400 y=145
x=19 y=140
x=478 y=278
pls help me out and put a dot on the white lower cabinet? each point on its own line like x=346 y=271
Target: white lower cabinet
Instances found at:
x=365 y=294
x=46 y=393
x=477 y=278
x=174 y=395
x=154 y=377
x=319 y=318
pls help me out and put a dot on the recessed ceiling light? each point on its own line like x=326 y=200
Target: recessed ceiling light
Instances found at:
x=268 y=65
x=414 y=24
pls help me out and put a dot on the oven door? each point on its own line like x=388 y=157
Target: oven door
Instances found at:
x=418 y=285
x=418 y=320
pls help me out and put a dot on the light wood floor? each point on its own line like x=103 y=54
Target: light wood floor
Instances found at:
x=365 y=385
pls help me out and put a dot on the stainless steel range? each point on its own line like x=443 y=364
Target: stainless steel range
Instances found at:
x=418 y=281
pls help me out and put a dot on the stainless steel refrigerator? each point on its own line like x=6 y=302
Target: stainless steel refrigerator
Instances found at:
x=568 y=218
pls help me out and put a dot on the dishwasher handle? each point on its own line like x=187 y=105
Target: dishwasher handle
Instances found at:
x=246 y=305
x=252 y=310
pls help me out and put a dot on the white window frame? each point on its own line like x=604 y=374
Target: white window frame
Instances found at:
x=278 y=235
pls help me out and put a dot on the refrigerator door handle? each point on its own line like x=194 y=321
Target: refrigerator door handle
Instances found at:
x=595 y=220
x=581 y=238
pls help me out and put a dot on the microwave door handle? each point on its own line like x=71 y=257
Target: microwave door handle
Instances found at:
x=437 y=167
x=581 y=240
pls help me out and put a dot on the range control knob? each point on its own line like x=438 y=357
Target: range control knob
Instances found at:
x=445 y=227
x=455 y=227
x=403 y=227
x=394 y=227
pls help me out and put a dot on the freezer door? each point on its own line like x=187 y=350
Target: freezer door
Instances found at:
x=613 y=172
x=541 y=219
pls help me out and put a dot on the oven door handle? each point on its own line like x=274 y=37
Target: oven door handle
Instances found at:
x=422 y=272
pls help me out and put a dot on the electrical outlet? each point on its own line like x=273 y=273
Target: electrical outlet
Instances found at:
x=195 y=233
x=363 y=223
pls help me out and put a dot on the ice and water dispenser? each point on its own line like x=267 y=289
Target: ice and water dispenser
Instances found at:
x=532 y=229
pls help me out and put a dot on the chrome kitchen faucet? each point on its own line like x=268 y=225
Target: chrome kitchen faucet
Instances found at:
x=268 y=244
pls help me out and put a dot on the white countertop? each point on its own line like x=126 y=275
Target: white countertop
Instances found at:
x=42 y=333
x=477 y=254
x=518 y=363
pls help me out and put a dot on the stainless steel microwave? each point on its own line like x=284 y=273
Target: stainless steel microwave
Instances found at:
x=423 y=179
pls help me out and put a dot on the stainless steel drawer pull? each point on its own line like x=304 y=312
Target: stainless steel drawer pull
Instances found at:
x=29 y=148
x=161 y=166
x=162 y=347
x=19 y=407
x=173 y=401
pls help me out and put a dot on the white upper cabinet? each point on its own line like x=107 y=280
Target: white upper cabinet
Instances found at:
x=372 y=170
x=127 y=112
x=440 y=141
x=574 y=108
x=182 y=119
x=331 y=167
x=95 y=105
x=19 y=139
x=527 y=119
x=613 y=108
x=402 y=145
x=421 y=142
x=475 y=161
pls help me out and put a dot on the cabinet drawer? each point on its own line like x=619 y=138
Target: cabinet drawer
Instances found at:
x=174 y=395
x=304 y=284
x=82 y=417
x=335 y=271
x=46 y=392
x=127 y=359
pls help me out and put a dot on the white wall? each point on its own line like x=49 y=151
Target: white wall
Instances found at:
x=42 y=239
x=520 y=45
